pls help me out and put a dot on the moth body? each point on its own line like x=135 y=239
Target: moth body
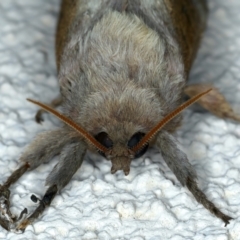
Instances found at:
x=123 y=64
x=122 y=68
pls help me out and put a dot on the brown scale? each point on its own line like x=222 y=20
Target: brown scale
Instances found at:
x=66 y=16
x=189 y=22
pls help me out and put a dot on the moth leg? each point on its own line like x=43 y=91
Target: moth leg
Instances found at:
x=177 y=161
x=43 y=203
x=70 y=160
x=7 y=218
x=214 y=101
x=42 y=149
x=54 y=103
x=45 y=146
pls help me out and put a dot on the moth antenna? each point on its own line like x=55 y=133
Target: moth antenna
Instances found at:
x=165 y=120
x=90 y=139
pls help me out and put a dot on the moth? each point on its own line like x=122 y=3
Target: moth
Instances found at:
x=122 y=67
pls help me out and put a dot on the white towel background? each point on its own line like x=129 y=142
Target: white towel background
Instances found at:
x=149 y=203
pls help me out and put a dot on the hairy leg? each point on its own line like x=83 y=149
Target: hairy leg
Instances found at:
x=42 y=149
x=177 y=161
x=70 y=160
x=46 y=145
x=43 y=203
x=7 y=217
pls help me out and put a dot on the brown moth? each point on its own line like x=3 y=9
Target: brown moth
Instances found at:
x=122 y=70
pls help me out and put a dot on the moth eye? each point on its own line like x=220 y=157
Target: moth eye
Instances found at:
x=104 y=139
x=134 y=140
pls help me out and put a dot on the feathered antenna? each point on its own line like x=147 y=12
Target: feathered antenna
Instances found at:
x=90 y=139
x=165 y=120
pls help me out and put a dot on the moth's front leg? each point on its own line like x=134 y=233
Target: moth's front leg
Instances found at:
x=42 y=149
x=6 y=217
x=177 y=161
x=71 y=158
x=214 y=101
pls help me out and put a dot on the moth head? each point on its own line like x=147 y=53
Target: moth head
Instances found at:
x=121 y=154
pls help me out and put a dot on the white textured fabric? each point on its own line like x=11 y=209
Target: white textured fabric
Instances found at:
x=149 y=203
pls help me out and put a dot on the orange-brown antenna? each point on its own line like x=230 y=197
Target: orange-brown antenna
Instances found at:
x=72 y=124
x=165 y=120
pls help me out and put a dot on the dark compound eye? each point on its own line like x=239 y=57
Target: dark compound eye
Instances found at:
x=134 y=141
x=104 y=139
